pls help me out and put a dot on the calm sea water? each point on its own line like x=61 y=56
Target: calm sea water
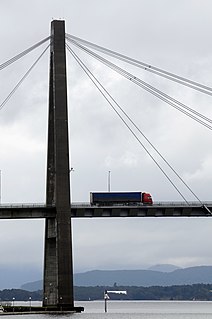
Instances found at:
x=135 y=310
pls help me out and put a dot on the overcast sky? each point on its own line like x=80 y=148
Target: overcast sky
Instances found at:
x=173 y=35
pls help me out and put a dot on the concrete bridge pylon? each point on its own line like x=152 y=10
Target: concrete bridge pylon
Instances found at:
x=58 y=265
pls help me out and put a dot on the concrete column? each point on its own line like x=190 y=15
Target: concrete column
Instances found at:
x=58 y=269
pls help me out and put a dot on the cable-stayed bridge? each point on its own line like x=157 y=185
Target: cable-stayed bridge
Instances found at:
x=58 y=209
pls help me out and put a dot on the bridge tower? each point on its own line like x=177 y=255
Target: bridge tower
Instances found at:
x=58 y=268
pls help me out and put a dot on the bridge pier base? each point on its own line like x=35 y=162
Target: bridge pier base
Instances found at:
x=50 y=295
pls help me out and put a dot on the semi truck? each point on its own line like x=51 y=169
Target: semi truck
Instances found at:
x=120 y=198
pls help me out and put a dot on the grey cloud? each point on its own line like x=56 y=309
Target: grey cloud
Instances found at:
x=167 y=34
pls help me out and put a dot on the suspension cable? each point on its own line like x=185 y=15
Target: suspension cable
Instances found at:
x=100 y=87
x=136 y=126
x=20 y=55
x=22 y=79
x=147 y=67
x=164 y=97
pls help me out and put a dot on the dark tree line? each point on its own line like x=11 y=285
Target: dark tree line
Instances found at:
x=183 y=292
x=20 y=295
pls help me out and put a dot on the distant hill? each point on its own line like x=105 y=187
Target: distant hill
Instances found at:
x=14 y=276
x=145 y=278
x=164 y=267
x=33 y=286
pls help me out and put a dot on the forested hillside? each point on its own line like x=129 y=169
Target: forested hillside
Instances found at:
x=184 y=292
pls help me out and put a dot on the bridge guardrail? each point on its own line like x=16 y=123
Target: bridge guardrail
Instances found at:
x=155 y=204
x=88 y=205
x=24 y=205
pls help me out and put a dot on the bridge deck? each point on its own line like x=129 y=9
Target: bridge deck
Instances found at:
x=85 y=210
x=25 y=211
x=165 y=209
